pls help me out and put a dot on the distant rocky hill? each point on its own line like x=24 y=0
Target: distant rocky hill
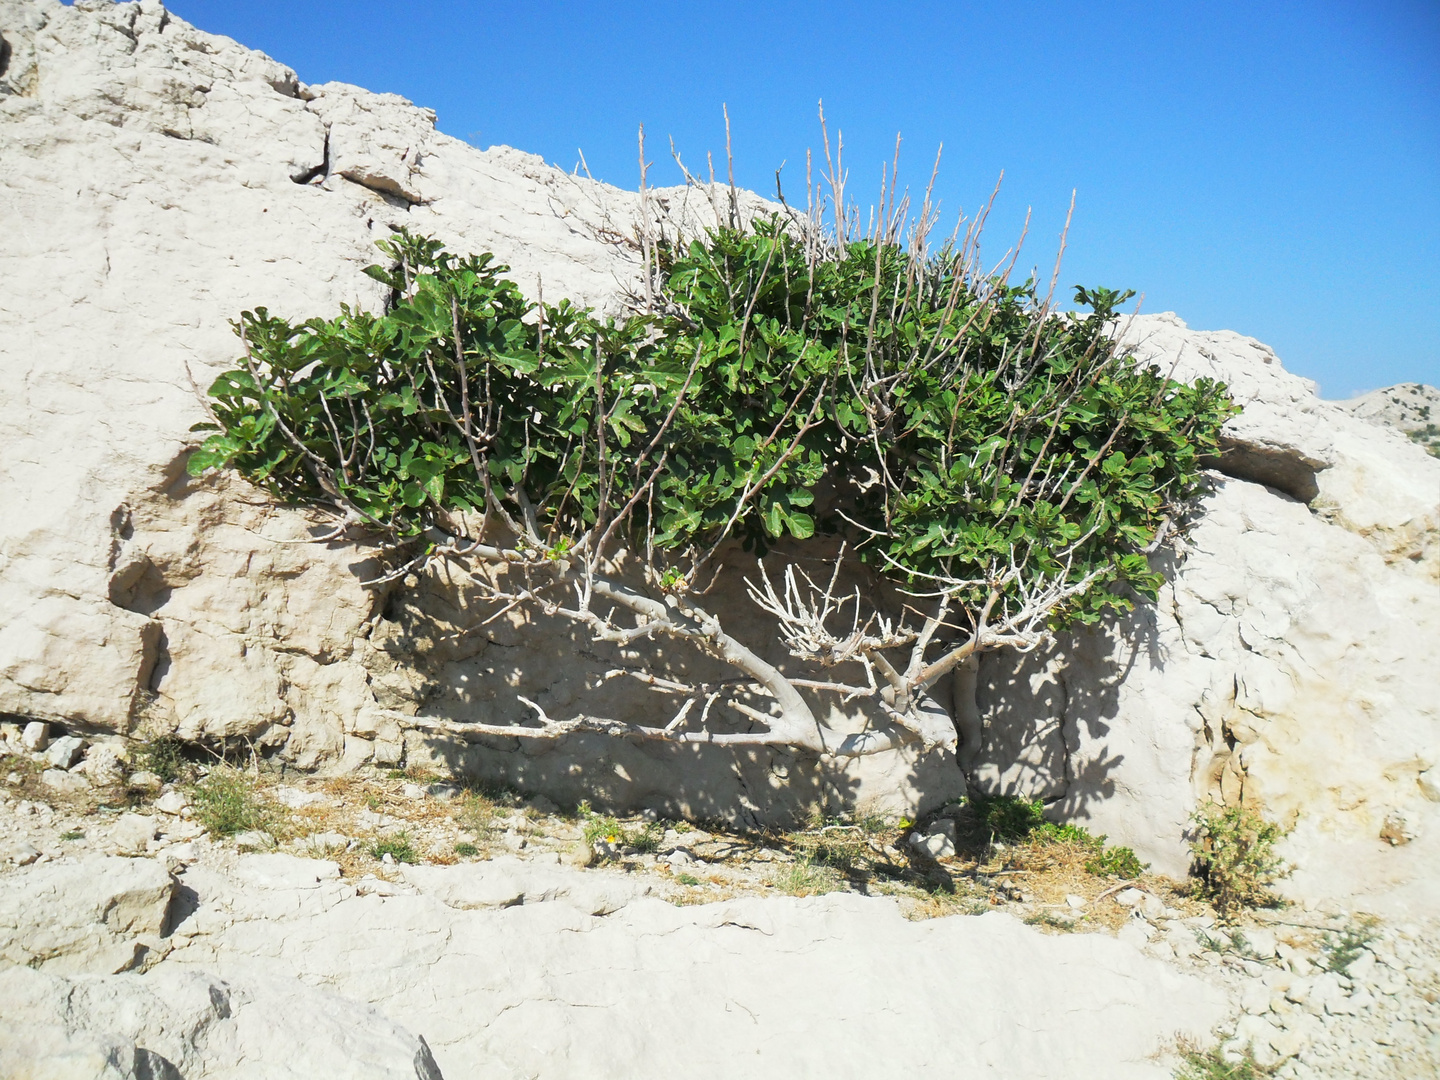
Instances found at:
x=1413 y=408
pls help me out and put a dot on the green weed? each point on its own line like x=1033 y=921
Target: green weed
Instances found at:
x=1051 y=920
x=398 y=846
x=804 y=878
x=1210 y=1065
x=226 y=803
x=164 y=755
x=1234 y=857
x=687 y=879
x=1016 y=820
x=466 y=850
x=1342 y=949
x=1120 y=862
x=72 y=834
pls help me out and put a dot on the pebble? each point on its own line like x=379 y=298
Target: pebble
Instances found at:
x=172 y=802
x=64 y=752
x=23 y=854
x=144 y=782
x=936 y=845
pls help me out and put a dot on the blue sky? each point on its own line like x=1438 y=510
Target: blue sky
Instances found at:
x=1270 y=167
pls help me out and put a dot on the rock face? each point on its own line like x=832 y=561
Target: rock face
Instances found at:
x=509 y=969
x=156 y=180
x=1291 y=662
x=176 y=1024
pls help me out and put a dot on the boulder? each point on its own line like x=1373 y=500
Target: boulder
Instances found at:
x=1289 y=663
x=169 y=1024
x=158 y=180
x=100 y=915
x=143 y=594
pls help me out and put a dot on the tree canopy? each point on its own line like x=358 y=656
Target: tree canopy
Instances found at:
x=1005 y=466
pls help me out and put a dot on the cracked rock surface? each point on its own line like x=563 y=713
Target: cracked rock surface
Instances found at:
x=512 y=968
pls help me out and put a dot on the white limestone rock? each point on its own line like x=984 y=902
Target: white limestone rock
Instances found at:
x=1289 y=662
x=168 y=1024
x=516 y=978
x=156 y=181
x=86 y=915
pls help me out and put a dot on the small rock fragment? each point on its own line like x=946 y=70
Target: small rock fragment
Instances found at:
x=172 y=802
x=1399 y=828
x=144 y=782
x=36 y=736
x=23 y=854
x=104 y=765
x=130 y=834
x=936 y=845
x=62 y=782
x=64 y=752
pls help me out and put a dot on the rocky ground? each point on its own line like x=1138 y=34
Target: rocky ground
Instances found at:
x=397 y=893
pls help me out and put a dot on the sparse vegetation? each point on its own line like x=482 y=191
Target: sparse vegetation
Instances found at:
x=841 y=843
x=805 y=878
x=1341 y=949
x=1212 y=1065
x=226 y=803
x=466 y=850
x=1120 y=862
x=1235 y=862
x=1051 y=921
x=475 y=813
x=398 y=846
x=1016 y=820
x=72 y=834
x=163 y=755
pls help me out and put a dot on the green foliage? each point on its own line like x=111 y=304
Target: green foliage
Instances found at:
x=226 y=803
x=1340 y=950
x=646 y=839
x=1015 y=820
x=398 y=846
x=1212 y=1065
x=1428 y=437
x=601 y=827
x=164 y=756
x=1008 y=818
x=466 y=850
x=768 y=386
x=1234 y=856
x=1121 y=862
x=806 y=878
x=476 y=813
x=687 y=879
x=1051 y=921
x=72 y=834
